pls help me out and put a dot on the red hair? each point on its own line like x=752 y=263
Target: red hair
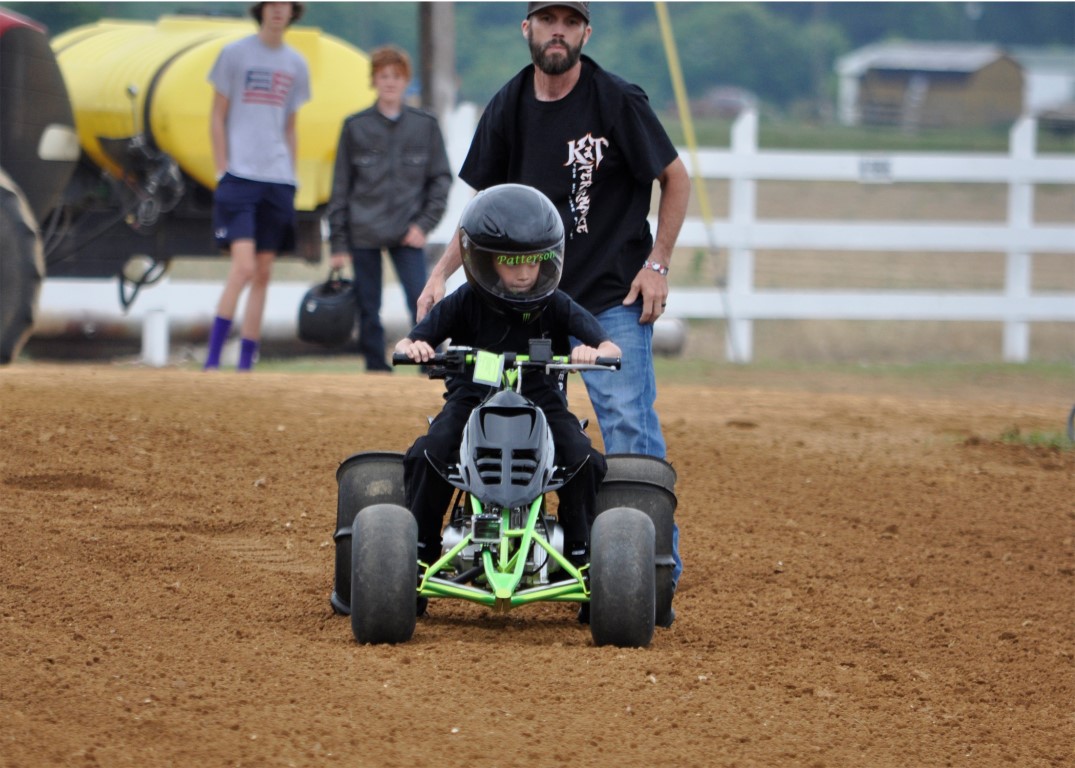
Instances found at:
x=390 y=56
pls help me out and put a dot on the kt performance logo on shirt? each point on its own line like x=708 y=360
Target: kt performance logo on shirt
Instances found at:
x=583 y=157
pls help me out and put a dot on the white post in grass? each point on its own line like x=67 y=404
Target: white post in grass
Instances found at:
x=1019 y=265
x=739 y=341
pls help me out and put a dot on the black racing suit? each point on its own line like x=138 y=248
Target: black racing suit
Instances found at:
x=468 y=321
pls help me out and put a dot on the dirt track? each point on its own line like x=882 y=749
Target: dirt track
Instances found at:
x=872 y=580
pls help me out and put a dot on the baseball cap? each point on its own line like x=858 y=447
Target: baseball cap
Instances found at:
x=582 y=9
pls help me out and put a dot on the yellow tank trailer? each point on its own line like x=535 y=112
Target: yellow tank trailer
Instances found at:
x=118 y=73
x=141 y=101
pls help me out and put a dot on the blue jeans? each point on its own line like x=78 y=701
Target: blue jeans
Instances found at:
x=410 y=264
x=624 y=402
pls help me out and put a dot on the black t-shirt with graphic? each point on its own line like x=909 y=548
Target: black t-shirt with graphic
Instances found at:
x=595 y=154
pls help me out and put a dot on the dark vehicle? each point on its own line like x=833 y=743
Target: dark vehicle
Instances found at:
x=38 y=155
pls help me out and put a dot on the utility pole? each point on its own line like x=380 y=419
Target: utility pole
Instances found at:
x=436 y=24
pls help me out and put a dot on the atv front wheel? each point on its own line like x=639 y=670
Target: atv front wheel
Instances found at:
x=384 y=574
x=622 y=578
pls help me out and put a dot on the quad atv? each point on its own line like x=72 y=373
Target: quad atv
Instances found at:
x=502 y=547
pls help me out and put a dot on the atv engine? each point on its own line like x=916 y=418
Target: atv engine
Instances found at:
x=537 y=564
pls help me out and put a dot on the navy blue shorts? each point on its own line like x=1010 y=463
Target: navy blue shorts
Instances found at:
x=259 y=210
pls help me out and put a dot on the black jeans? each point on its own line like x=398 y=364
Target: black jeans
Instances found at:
x=410 y=264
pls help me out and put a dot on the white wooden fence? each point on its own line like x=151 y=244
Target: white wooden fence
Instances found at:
x=1019 y=237
x=180 y=307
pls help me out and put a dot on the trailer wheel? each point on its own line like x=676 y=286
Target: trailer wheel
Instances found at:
x=22 y=268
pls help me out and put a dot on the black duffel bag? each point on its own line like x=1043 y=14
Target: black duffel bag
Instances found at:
x=327 y=312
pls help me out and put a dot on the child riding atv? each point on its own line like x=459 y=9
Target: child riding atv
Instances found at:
x=512 y=244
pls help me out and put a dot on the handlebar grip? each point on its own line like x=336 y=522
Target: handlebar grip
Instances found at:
x=398 y=358
x=611 y=362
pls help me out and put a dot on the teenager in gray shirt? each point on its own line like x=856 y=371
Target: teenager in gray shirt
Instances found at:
x=259 y=84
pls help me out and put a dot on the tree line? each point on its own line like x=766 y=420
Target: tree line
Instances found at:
x=783 y=52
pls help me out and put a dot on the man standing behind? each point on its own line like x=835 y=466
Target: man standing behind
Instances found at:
x=590 y=141
x=259 y=84
x=389 y=189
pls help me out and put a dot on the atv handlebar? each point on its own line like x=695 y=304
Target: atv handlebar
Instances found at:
x=458 y=359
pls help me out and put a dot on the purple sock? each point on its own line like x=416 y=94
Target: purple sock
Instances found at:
x=248 y=350
x=217 y=336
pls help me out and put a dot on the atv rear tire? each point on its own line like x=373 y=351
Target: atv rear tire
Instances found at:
x=22 y=268
x=648 y=484
x=622 y=578
x=384 y=574
x=364 y=479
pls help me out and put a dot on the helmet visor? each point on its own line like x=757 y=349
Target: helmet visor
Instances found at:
x=518 y=279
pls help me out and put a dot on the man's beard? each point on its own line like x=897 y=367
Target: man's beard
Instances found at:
x=553 y=65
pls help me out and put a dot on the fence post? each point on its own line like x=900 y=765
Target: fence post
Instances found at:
x=1018 y=269
x=155 y=338
x=156 y=323
x=739 y=344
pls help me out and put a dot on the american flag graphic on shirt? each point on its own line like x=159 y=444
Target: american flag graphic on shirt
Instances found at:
x=265 y=86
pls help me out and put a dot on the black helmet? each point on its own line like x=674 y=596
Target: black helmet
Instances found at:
x=512 y=225
x=327 y=312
